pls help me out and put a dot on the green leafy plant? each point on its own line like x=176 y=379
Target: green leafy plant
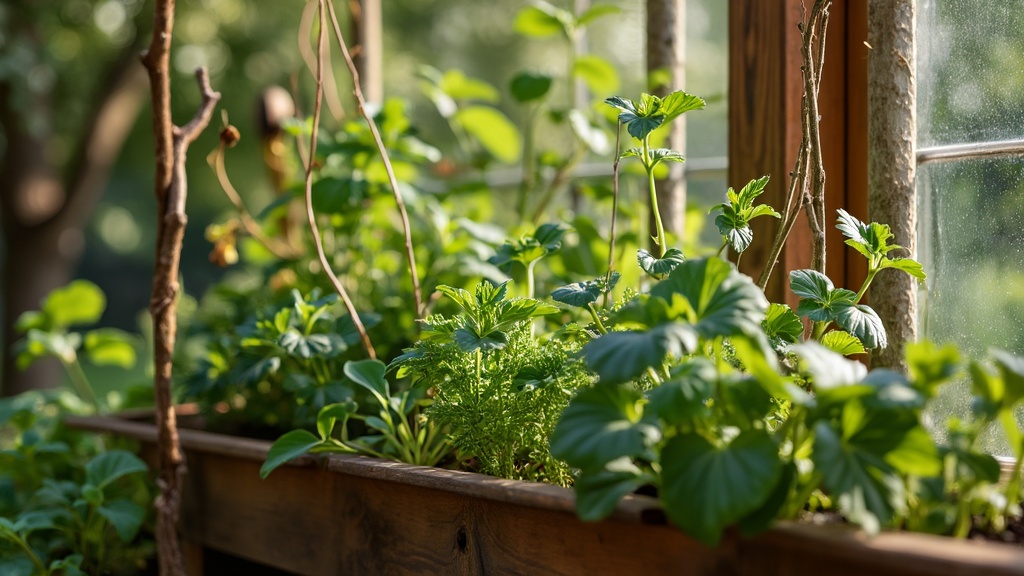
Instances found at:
x=643 y=117
x=529 y=250
x=47 y=334
x=399 y=429
x=824 y=304
x=734 y=221
x=69 y=504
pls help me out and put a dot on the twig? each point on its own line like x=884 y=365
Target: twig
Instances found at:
x=171 y=147
x=392 y=179
x=310 y=215
x=282 y=250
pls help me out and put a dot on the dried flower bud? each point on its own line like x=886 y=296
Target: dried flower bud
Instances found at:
x=229 y=136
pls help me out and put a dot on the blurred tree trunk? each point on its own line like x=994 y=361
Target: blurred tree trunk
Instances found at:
x=368 y=37
x=666 y=72
x=44 y=203
x=892 y=166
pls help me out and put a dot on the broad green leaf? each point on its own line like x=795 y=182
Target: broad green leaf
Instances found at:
x=868 y=490
x=602 y=424
x=495 y=132
x=110 y=347
x=780 y=322
x=916 y=455
x=32 y=319
x=599 y=75
x=541 y=19
x=288 y=447
x=679 y=102
x=461 y=87
x=810 y=284
x=762 y=519
x=828 y=369
x=109 y=466
x=469 y=341
x=551 y=234
x=707 y=488
x=80 y=302
x=842 y=342
x=660 y=267
x=125 y=515
x=735 y=231
x=598 y=492
x=683 y=397
x=861 y=321
x=871 y=240
x=1011 y=368
x=659 y=155
x=527 y=86
x=370 y=375
x=619 y=357
x=724 y=302
x=333 y=415
x=931 y=366
x=593 y=136
x=579 y=294
x=908 y=265
x=637 y=123
x=596 y=11
x=752 y=190
x=304 y=346
x=339 y=195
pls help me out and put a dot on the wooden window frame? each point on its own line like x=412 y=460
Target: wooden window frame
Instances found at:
x=765 y=88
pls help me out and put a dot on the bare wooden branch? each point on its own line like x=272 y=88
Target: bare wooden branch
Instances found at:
x=361 y=102
x=310 y=215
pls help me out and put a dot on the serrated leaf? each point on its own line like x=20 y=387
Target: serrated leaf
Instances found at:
x=868 y=239
x=110 y=347
x=735 y=231
x=679 y=102
x=602 y=424
x=810 y=284
x=908 y=265
x=125 y=516
x=468 y=341
x=288 y=447
x=781 y=322
x=598 y=74
x=528 y=86
x=707 y=488
x=619 y=357
x=861 y=321
x=109 y=466
x=842 y=342
x=660 y=267
x=495 y=132
x=724 y=301
x=598 y=492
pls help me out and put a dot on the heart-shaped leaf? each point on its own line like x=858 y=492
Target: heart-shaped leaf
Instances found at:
x=622 y=356
x=660 y=267
x=707 y=488
x=288 y=447
x=598 y=492
x=861 y=321
x=109 y=466
x=370 y=375
x=602 y=424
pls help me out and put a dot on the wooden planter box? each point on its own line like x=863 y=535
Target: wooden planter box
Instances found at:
x=359 y=515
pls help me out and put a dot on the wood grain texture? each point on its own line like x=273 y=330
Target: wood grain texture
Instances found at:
x=355 y=515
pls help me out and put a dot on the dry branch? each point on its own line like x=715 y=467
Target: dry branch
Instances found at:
x=172 y=144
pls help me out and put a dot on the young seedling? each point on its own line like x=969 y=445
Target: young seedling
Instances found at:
x=643 y=117
x=734 y=221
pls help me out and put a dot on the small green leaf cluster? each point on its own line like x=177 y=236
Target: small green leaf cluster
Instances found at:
x=68 y=505
x=824 y=304
x=398 y=430
x=734 y=221
x=281 y=368
x=529 y=250
x=497 y=390
x=48 y=334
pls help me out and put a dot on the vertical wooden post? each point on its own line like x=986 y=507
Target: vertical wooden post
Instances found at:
x=892 y=166
x=368 y=36
x=666 y=52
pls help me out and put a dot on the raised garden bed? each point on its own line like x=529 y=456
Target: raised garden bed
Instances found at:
x=357 y=515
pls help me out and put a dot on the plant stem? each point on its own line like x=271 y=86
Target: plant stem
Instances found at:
x=867 y=282
x=819 y=330
x=528 y=181
x=615 y=210
x=392 y=179
x=36 y=561
x=81 y=383
x=310 y=215
x=597 y=318
x=660 y=240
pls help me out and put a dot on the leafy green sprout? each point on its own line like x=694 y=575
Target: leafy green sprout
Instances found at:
x=823 y=303
x=643 y=117
x=529 y=250
x=734 y=221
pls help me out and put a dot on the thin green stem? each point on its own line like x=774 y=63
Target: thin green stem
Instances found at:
x=81 y=383
x=479 y=373
x=867 y=282
x=738 y=258
x=528 y=181
x=660 y=240
x=722 y=248
x=615 y=209
x=654 y=375
x=597 y=318
x=819 y=330
x=36 y=561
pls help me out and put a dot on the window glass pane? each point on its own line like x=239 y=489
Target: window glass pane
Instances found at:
x=970 y=71
x=971 y=243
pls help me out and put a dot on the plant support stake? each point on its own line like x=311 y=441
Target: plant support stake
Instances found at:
x=171 y=147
